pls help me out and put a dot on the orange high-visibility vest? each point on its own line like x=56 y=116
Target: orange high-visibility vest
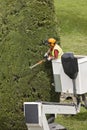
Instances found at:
x=57 y=47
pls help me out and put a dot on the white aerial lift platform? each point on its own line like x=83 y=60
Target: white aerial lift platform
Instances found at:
x=63 y=83
x=35 y=114
x=70 y=76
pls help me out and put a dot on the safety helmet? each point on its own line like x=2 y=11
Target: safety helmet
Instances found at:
x=51 y=41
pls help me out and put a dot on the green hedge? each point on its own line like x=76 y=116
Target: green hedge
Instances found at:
x=23 y=26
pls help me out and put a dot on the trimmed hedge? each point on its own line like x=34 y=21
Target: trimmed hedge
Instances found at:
x=24 y=24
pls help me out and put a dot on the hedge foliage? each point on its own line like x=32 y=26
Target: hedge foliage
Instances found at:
x=24 y=24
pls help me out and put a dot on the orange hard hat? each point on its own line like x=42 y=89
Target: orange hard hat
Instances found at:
x=51 y=41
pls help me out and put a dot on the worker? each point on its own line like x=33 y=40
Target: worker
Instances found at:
x=55 y=51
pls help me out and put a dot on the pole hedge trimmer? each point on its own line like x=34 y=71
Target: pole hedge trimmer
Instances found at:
x=38 y=63
x=16 y=77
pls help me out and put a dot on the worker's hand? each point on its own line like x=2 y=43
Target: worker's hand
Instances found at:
x=45 y=55
x=49 y=58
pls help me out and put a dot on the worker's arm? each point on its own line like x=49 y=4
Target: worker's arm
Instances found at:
x=47 y=53
x=53 y=57
x=56 y=52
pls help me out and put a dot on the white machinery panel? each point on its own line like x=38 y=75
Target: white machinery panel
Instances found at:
x=35 y=113
x=63 y=83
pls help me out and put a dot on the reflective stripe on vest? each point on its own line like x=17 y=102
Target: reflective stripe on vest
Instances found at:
x=57 y=47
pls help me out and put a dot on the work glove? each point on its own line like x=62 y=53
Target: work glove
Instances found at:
x=45 y=55
x=49 y=58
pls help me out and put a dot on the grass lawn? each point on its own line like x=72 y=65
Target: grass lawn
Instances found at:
x=72 y=17
x=76 y=122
